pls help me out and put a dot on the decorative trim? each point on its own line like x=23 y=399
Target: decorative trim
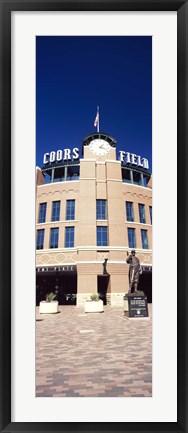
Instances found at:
x=56 y=250
x=138 y=186
x=142 y=224
x=91 y=262
x=95 y=248
x=113 y=180
x=102 y=220
x=45 y=265
x=112 y=248
x=57 y=222
x=113 y=161
x=101 y=162
x=88 y=159
x=58 y=183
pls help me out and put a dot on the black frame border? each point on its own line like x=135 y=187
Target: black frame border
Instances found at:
x=6 y=7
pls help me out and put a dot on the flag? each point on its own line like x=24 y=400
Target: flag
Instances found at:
x=96 y=119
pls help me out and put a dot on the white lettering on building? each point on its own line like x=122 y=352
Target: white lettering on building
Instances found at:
x=139 y=161
x=131 y=158
x=145 y=163
x=67 y=154
x=121 y=155
x=52 y=156
x=75 y=153
x=128 y=155
x=45 y=159
x=61 y=155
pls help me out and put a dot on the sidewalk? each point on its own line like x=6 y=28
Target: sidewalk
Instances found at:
x=93 y=354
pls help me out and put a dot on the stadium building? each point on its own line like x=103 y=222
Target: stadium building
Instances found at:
x=89 y=208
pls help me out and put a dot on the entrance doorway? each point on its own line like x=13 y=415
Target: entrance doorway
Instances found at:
x=63 y=284
x=103 y=286
x=145 y=284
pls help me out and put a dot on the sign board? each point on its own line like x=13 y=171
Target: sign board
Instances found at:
x=65 y=268
x=138 y=306
x=130 y=158
x=61 y=155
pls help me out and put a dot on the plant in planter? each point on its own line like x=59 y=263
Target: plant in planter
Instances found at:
x=50 y=297
x=94 y=297
x=94 y=305
x=50 y=305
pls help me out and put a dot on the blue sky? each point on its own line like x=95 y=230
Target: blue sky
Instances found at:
x=75 y=74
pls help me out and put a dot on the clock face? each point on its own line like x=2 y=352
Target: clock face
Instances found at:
x=99 y=147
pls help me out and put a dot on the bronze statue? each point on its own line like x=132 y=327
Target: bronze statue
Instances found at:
x=104 y=266
x=134 y=271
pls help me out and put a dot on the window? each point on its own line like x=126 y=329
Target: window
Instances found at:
x=62 y=174
x=142 y=213
x=150 y=212
x=54 y=237
x=42 y=213
x=55 y=210
x=70 y=210
x=40 y=239
x=129 y=211
x=137 y=178
x=69 y=237
x=102 y=236
x=101 y=210
x=126 y=176
x=131 y=238
x=146 y=179
x=73 y=173
x=144 y=235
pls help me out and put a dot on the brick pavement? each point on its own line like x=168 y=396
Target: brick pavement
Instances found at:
x=93 y=354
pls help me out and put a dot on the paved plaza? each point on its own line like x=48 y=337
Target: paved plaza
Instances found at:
x=82 y=354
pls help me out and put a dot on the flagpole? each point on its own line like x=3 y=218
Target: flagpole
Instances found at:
x=98 y=119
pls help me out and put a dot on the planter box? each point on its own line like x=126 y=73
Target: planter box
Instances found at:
x=48 y=307
x=94 y=306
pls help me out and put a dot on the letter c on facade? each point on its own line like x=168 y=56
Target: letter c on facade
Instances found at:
x=45 y=159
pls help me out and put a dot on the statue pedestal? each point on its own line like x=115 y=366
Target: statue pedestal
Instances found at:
x=125 y=304
x=136 y=305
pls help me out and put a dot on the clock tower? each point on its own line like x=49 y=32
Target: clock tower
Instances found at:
x=99 y=146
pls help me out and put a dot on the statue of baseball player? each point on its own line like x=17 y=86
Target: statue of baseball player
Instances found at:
x=135 y=271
